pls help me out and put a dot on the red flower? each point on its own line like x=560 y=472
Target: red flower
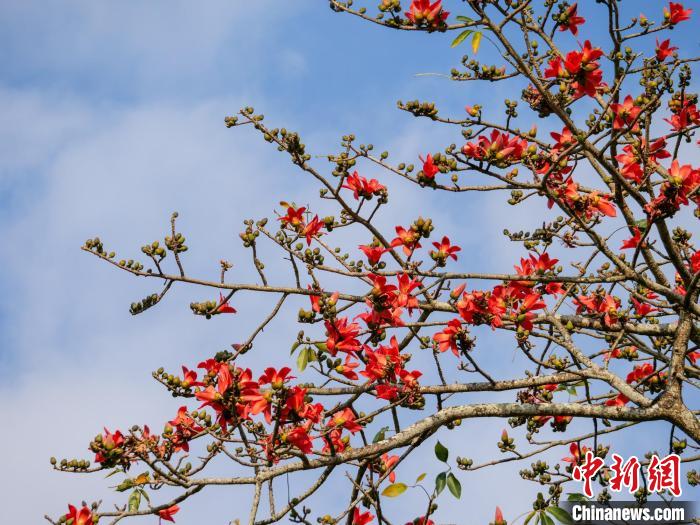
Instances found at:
x=224 y=307
x=633 y=241
x=361 y=187
x=79 y=517
x=373 y=253
x=403 y=292
x=276 y=378
x=167 y=514
x=498 y=148
x=675 y=13
x=294 y=217
x=601 y=204
x=342 y=336
x=576 y=453
x=359 y=518
x=618 y=401
x=570 y=20
x=580 y=66
x=695 y=262
x=429 y=167
x=312 y=229
x=388 y=462
x=109 y=443
x=299 y=437
x=422 y=12
x=664 y=50
x=348 y=368
x=625 y=114
x=444 y=251
x=447 y=339
x=345 y=419
x=406 y=238
x=642 y=309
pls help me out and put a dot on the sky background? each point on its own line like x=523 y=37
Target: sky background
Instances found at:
x=111 y=117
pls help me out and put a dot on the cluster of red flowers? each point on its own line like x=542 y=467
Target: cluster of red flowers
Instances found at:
x=635 y=154
x=499 y=148
x=361 y=187
x=295 y=220
x=581 y=68
x=678 y=189
x=600 y=303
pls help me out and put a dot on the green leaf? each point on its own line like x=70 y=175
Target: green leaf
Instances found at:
x=321 y=346
x=461 y=37
x=529 y=517
x=125 y=485
x=476 y=42
x=145 y=495
x=571 y=390
x=381 y=435
x=454 y=485
x=561 y=515
x=546 y=520
x=134 y=501
x=294 y=347
x=576 y=496
x=440 y=482
x=394 y=490
x=441 y=452
x=464 y=19
x=420 y=478
x=303 y=359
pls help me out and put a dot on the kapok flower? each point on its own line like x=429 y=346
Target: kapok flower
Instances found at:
x=408 y=239
x=224 y=307
x=569 y=20
x=346 y=419
x=448 y=338
x=167 y=514
x=664 y=49
x=312 y=229
x=625 y=114
x=361 y=518
x=444 y=250
x=422 y=12
x=373 y=253
x=675 y=13
x=361 y=187
x=576 y=454
x=632 y=242
x=429 y=167
x=79 y=517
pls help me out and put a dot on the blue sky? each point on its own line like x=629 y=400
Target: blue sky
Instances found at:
x=111 y=117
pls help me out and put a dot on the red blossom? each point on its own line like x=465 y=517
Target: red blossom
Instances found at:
x=360 y=518
x=79 y=517
x=406 y=238
x=676 y=13
x=444 y=250
x=429 y=167
x=447 y=339
x=632 y=242
x=373 y=253
x=361 y=187
x=664 y=49
x=224 y=307
x=167 y=514
x=423 y=12
x=625 y=114
x=569 y=20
